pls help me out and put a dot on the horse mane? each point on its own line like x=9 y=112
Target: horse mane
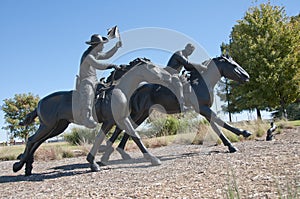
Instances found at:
x=117 y=74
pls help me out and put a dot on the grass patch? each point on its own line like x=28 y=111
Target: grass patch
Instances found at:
x=10 y=152
x=47 y=151
x=294 y=123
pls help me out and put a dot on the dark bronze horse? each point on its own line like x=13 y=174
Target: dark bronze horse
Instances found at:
x=147 y=96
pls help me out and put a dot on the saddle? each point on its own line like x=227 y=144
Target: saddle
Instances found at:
x=139 y=61
x=103 y=85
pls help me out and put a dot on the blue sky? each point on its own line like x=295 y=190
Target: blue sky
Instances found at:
x=42 y=41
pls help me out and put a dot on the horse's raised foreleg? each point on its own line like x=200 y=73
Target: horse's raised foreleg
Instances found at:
x=213 y=119
x=225 y=141
x=208 y=113
x=98 y=140
x=41 y=133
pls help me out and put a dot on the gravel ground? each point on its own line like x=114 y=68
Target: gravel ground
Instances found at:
x=259 y=170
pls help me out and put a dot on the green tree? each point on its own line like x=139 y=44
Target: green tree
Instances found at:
x=15 y=109
x=266 y=43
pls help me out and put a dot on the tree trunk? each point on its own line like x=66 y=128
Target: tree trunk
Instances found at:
x=258 y=114
x=228 y=100
x=229 y=114
x=283 y=108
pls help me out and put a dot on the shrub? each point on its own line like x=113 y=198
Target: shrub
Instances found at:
x=170 y=127
x=73 y=137
x=68 y=154
x=164 y=125
x=78 y=136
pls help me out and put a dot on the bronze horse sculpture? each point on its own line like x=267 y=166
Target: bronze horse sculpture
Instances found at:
x=203 y=84
x=55 y=110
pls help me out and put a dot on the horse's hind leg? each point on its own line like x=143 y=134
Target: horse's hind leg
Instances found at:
x=121 y=147
x=62 y=125
x=41 y=133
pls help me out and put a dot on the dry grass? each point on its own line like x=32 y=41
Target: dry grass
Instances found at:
x=47 y=151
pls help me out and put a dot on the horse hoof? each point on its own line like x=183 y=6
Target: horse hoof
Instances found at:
x=95 y=167
x=107 y=153
x=154 y=160
x=90 y=158
x=246 y=133
x=125 y=156
x=232 y=149
x=17 y=166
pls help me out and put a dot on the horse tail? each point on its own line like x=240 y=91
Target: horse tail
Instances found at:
x=29 y=119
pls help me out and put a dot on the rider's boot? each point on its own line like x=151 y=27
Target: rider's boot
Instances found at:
x=88 y=120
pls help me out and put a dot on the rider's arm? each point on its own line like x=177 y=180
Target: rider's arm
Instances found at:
x=184 y=62
x=200 y=67
x=92 y=61
x=190 y=66
x=109 y=53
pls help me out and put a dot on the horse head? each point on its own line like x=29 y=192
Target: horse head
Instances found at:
x=230 y=69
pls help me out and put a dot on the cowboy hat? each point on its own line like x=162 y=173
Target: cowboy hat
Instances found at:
x=97 y=39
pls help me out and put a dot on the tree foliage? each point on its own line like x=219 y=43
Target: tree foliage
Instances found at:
x=15 y=109
x=267 y=44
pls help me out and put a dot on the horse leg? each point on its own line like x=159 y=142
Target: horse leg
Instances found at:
x=109 y=149
x=211 y=117
x=147 y=155
x=42 y=132
x=222 y=123
x=225 y=141
x=121 y=147
x=127 y=126
x=98 y=140
x=61 y=127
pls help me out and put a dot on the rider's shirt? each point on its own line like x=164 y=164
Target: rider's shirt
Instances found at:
x=176 y=62
x=88 y=68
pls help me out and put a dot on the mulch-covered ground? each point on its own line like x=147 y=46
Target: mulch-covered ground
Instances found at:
x=260 y=169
